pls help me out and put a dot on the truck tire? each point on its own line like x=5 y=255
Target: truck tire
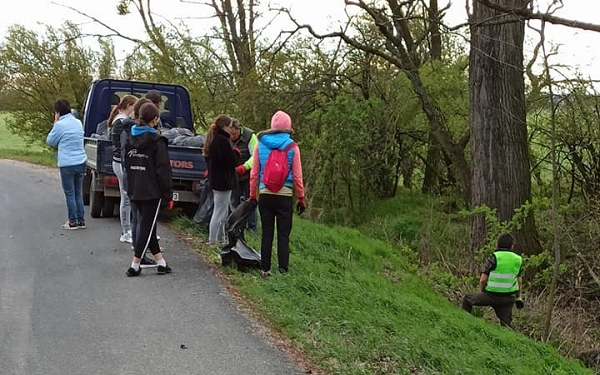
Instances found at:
x=96 y=200
x=87 y=184
x=108 y=208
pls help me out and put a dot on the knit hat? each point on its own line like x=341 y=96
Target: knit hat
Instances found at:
x=281 y=121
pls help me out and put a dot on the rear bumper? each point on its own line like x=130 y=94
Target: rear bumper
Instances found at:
x=185 y=196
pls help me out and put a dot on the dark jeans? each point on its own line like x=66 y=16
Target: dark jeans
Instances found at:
x=275 y=208
x=502 y=304
x=72 y=184
x=145 y=235
x=242 y=193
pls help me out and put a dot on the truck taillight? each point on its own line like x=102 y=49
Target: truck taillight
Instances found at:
x=111 y=181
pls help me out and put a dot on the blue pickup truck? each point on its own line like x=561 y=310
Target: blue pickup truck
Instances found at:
x=101 y=188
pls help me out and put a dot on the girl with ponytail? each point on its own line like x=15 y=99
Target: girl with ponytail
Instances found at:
x=221 y=160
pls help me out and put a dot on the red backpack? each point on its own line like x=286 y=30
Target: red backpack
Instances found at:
x=276 y=168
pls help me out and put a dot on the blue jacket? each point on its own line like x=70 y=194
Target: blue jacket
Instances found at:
x=272 y=141
x=67 y=135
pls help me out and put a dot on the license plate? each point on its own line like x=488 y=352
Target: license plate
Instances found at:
x=175 y=197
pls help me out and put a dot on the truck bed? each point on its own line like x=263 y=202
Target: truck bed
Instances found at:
x=187 y=163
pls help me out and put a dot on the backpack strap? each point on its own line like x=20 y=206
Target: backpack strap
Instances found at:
x=289 y=147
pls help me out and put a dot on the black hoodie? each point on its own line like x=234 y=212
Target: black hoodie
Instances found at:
x=148 y=166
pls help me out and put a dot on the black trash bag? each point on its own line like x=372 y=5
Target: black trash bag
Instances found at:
x=237 y=253
x=205 y=207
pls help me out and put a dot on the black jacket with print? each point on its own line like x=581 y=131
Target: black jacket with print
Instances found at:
x=148 y=166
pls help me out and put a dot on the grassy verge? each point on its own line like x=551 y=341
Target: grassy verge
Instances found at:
x=14 y=147
x=355 y=305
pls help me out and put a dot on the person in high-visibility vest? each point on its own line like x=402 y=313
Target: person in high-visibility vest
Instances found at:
x=500 y=282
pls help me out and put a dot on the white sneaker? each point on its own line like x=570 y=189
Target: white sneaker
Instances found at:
x=126 y=238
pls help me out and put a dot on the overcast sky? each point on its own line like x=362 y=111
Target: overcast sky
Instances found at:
x=577 y=48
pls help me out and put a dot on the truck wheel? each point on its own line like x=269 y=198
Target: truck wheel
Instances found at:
x=87 y=184
x=96 y=200
x=108 y=208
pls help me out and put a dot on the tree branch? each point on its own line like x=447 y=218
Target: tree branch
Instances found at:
x=114 y=31
x=546 y=17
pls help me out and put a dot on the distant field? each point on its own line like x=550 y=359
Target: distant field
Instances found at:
x=14 y=147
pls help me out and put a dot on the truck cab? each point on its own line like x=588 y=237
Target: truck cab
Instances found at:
x=101 y=189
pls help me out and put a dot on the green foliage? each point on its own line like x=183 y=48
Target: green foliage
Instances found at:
x=107 y=63
x=357 y=141
x=37 y=70
x=576 y=122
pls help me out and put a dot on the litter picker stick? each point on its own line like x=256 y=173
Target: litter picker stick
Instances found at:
x=148 y=238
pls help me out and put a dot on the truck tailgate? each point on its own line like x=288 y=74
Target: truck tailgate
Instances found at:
x=187 y=163
x=99 y=154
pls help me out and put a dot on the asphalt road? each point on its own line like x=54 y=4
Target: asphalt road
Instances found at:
x=66 y=306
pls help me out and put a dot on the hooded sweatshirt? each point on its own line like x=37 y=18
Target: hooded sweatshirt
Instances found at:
x=148 y=166
x=278 y=137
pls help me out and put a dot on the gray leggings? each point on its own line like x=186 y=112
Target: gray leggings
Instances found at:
x=125 y=205
x=216 y=230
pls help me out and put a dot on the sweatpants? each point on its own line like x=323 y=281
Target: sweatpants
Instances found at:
x=502 y=304
x=216 y=230
x=275 y=209
x=146 y=234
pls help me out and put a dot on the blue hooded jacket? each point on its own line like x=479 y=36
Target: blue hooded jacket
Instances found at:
x=272 y=141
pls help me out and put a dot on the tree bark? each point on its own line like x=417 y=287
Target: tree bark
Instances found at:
x=431 y=179
x=500 y=161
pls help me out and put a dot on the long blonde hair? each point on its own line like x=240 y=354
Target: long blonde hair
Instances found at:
x=125 y=102
x=219 y=123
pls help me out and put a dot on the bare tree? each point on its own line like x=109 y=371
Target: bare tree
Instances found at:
x=237 y=27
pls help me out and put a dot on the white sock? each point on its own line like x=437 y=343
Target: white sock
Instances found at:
x=135 y=266
x=161 y=262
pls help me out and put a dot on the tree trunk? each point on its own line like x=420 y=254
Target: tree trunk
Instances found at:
x=431 y=179
x=500 y=161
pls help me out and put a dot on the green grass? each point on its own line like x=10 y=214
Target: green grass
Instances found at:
x=355 y=305
x=15 y=148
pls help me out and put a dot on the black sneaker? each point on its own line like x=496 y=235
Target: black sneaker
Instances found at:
x=161 y=270
x=81 y=224
x=132 y=272
x=148 y=261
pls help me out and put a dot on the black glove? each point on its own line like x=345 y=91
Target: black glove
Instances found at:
x=519 y=303
x=300 y=208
